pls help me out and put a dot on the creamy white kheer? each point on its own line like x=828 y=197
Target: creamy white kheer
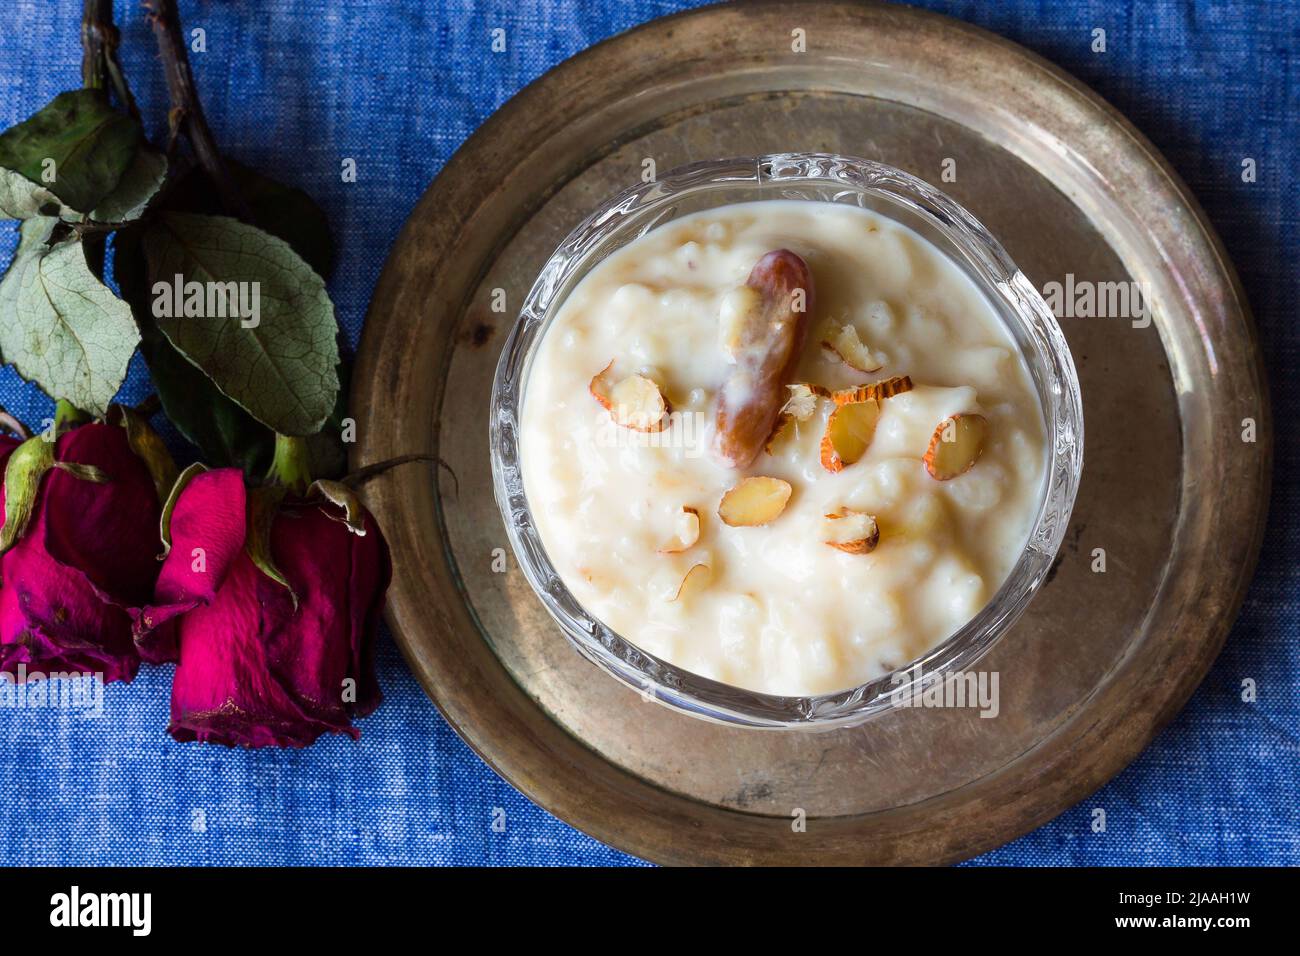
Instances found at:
x=626 y=474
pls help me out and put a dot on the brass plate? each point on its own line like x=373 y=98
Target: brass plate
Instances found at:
x=1170 y=490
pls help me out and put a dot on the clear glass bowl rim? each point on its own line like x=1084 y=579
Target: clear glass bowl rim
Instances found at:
x=840 y=177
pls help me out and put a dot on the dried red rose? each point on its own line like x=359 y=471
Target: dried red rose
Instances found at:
x=260 y=664
x=86 y=557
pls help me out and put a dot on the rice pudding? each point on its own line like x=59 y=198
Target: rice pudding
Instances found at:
x=786 y=445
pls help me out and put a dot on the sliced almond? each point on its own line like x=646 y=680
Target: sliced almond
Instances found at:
x=638 y=404
x=799 y=407
x=877 y=390
x=895 y=385
x=695 y=581
x=634 y=402
x=802 y=402
x=854 y=532
x=685 y=534
x=600 y=385
x=956 y=445
x=843 y=343
x=755 y=501
x=849 y=431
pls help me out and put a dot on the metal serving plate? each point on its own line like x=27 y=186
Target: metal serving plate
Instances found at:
x=1170 y=490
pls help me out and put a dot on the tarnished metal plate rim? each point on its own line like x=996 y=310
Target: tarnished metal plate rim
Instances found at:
x=534 y=144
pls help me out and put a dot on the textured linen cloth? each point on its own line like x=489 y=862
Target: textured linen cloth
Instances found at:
x=292 y=87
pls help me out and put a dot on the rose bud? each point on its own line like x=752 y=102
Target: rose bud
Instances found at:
x=275 y=597
x=80 y=546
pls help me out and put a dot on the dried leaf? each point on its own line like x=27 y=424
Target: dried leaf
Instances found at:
x=139 y=184
x=148 y=447
x=337 y=493
x=283 y=369
x=59 y=325
x=20 y=198
x=84 y=472
x=26 y=467
x=80 y=141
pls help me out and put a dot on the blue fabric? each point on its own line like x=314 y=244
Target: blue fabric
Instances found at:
x=292 y=88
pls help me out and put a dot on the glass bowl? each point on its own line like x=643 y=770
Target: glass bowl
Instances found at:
x=816 y=177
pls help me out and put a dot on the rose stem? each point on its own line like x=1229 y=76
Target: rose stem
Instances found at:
x=99 y=63
x=99 y=40
x=186 y=111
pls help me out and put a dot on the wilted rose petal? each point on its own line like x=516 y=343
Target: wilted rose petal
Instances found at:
x=207 y=535
x=51 y=619
x=108 y=531
x=340 y=579
x=254 y=670
x=86 y=561
x=234 y=683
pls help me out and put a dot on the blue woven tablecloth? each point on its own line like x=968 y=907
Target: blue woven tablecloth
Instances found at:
x=292 y=86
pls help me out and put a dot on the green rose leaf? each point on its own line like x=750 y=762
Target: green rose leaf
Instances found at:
x=59 y=325
x=20 y=198
x=220 y=429
x=78 y=147
x=139 y=184
x=224 y=433
x=283 y=211
x=280 y=364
